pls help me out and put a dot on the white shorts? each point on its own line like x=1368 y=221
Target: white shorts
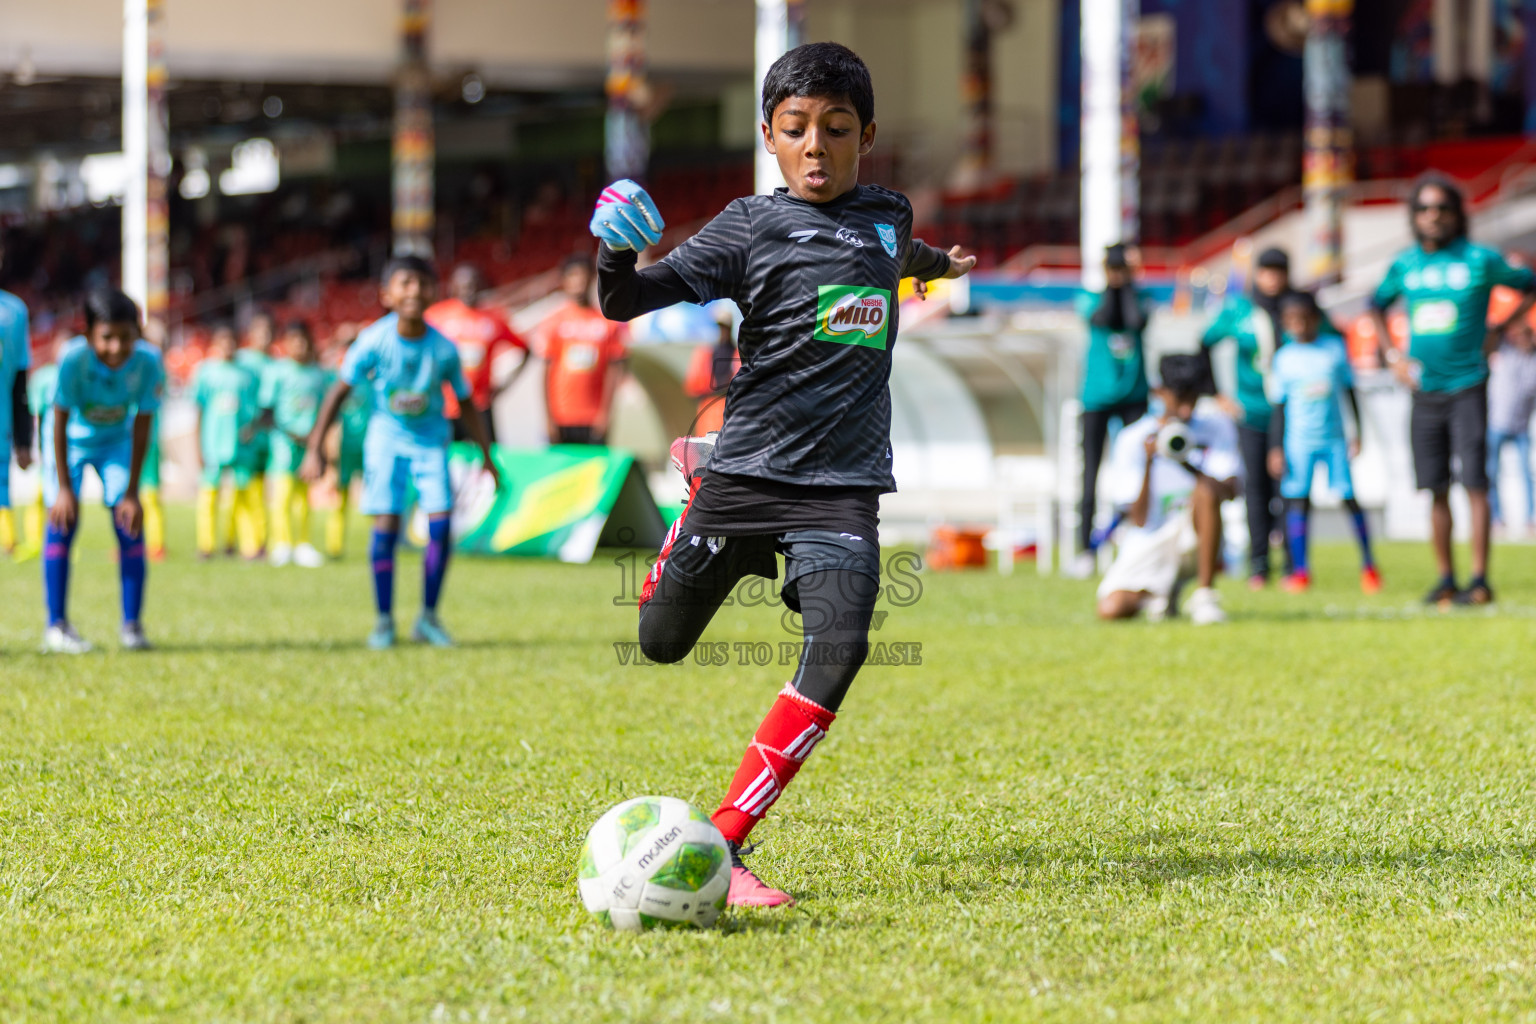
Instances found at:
x=1153 y=561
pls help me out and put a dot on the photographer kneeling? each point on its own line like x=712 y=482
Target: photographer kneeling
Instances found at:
x=1169 y=473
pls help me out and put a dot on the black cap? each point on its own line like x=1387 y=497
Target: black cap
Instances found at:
x=1114 y=256
x=1274 y=259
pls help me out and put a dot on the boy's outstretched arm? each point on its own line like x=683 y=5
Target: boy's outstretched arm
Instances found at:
x=129 y=514
x=1276 y=458
x=926 y=263
x=474 y=425
x=21 y=420
x=623 y=292
x=62 y=515
x=1354 y=408
x=626 y=220
x=313 y=466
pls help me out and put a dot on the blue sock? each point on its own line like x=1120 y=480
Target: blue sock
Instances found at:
x=1363 y=535
x=382 y=554
x=434 y=563
x=56 y=572
x=130 y=570
x=1296 y=536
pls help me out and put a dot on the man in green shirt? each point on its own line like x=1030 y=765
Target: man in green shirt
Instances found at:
x=1446 y=280
x=1114 y=375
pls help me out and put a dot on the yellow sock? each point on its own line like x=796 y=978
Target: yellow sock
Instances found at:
x=231 y=517
x=258 y=508
x=7 y=526
x=300 y=507
x=154 y=520
x=282 y=497
x=34 y=520
x=336 y=525
x=207 y=519
x=245 y=521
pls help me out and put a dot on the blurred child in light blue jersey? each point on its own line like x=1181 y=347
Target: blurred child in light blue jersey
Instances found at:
x=40 y=387
x=293 y=389
x=104 y=406
x=15 y=422
x=404 y=364
x=1309 y=378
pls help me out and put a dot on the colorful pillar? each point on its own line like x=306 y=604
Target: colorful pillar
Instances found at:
x=626 y=132
x=1327 y=165
x=414 y=146
x=1111 y=147
x=146 y=228
x=976 y=95
x=780 y=28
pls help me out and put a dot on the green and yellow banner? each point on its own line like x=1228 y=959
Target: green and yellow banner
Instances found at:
x=561 y=502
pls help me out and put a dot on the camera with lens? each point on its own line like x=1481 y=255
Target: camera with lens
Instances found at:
x=1174 y=442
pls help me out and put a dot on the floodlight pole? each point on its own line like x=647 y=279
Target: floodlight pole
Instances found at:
x=414 y=144
x=146 y=152
x=780 y=28
x=1111 y=148
x=626 y=131
x=976 y=94
x=1327 y=163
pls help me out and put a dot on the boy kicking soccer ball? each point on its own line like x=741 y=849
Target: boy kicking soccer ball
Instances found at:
x=404 y=363
x=805 y=450
x=104 y=406
x=1307 y=381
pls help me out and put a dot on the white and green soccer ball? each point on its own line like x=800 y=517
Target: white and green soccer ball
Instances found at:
x=655 y=862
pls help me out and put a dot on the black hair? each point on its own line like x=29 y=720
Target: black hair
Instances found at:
x=408 y=262
x=299 y=327
x=1303 y=299
x=575 y=260
x=1274 y=259
x=109 y=306
x=1454 y=198
x=820 y=69
x=1115 y=257
x=1184 y=374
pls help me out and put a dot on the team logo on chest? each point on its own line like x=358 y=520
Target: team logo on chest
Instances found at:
x=887 y=233
x=851 y=315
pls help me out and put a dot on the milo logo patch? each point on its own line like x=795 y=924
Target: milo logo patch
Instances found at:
x=850 y=315
x=105 y=415
x=407 y=403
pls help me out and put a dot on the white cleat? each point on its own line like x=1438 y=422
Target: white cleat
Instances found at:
x=62 y=639
x=281 y=554
x=132 y=638
x=1205 y=607
x=305 y=556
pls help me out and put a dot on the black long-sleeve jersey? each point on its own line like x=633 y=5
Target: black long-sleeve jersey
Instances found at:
x=817 y=286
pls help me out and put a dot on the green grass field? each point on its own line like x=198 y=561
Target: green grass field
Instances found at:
x=1322 y=811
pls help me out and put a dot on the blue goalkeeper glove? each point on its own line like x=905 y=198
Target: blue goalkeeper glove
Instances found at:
x=626 y=217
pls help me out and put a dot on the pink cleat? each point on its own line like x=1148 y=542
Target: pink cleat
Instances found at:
x=747 y=890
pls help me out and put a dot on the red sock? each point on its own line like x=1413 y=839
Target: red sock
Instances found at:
x=791 y=730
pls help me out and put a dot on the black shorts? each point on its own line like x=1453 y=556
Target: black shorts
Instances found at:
x=719 y=563
x=577 y=435
x=1446 y=426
